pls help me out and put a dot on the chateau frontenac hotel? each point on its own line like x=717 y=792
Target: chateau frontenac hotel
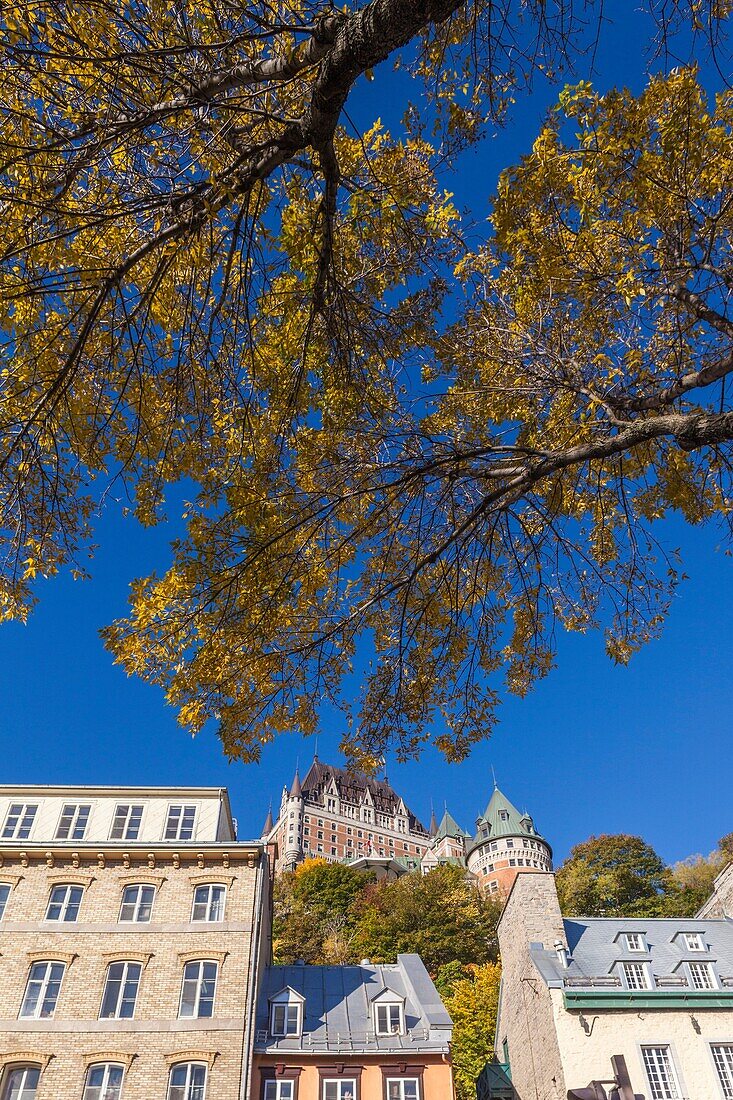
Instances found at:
x=341 y=816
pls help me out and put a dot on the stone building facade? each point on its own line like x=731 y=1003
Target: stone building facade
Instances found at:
x=575 y=994
x=720 y=902
x=132 y=926
x=335 y=815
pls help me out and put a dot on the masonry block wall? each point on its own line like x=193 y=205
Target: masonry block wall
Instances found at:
x=155 y=1038
x=720 y=902
x=532 y=915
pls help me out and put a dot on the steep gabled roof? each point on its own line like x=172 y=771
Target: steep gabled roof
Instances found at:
x=449 y=827
x=355 y=787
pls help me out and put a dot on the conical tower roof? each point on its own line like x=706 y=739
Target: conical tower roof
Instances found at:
x=502 y=818
x=449 y=827
x=295 y=790
x=433 y=823
x=267 y=828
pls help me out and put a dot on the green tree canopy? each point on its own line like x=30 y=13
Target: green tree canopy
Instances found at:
x=315 y=916
x=615 y=876
x=395 y=434
x=440 y=916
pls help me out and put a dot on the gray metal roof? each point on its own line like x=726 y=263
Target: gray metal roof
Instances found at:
x=338 y=1008
x=596 y=945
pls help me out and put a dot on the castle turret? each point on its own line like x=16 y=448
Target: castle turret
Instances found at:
x=292 y=817
x=268 y=826
x=506 y=843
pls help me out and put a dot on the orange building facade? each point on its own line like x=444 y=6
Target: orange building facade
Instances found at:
x=351 y=1033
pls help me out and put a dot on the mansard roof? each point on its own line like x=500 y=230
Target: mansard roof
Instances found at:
x=338 y=1018
x=356 y=787
x=501 y=818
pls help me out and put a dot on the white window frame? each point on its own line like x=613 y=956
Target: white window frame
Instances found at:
x=644 y=969
x=63 y=917
x=188 y=1085
x=129 y=807
x=705 y=968
x=209 y=887
x=275 y=1090
x=101 y=1091
x=123 y=980
x=6 y=889
x=287 y=1006
x=388 y=1029
x=694 y=941
x=24 y=1069
x=342 y=1082
x=77 y=810
x=24 y=820
x=198 y=982
x=181 y=807
x=635 y=938
x=664 y=1061
x=723 y=1064
x=44 y=982
x=135 y=919
x=402 y=1081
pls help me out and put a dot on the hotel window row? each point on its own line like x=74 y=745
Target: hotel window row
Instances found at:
x=121 y=987
x=209 y=901
x=663 y=1076
x=104 y=1081
x=180 y=822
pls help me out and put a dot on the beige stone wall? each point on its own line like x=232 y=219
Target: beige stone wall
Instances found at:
x=720 y=902
x=588 y=1056
x=75 y=1036
x=435 y=1072
x=527 y=1020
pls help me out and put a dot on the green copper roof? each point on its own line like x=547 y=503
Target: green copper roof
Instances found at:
x=501 y=818
x=449 y=827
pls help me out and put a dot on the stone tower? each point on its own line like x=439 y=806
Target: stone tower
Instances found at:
x=506 y=843
x=291 y=811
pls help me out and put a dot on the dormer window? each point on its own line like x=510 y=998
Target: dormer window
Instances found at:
x=503 y=815
x=701 y=976
x=286 y=1014
x=388 y=1018
x=635 y=941
x=636 y=975
x=694 y=941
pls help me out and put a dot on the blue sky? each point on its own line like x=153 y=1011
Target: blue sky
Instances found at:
x=595 y=748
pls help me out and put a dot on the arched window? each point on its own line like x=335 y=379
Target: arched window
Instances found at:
x=120 y=991
x=208 y=902
x=187 y=1081
x=198 y=989
x=137 y=902
x=20 y=1083
x=64 y=902
x=104 y=1081
x=42 y=992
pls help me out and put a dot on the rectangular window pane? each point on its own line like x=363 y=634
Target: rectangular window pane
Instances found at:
x=19 y=821
x=636 y=976
x=73 y=823
x=4 y=895
x=126 y=824
x=701 y=976
x=180 y=822
x=660 y=1072
x=723 y=1059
